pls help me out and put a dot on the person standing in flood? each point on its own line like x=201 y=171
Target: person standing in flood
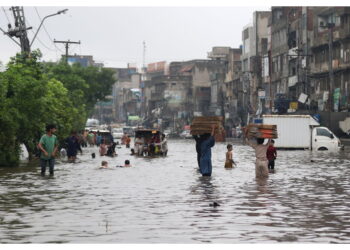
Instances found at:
x=48 y=146
x=261 y=162
x=208 y=141
x=127 y=141
x=73 y=146
x=198 y=140
x=229 y=158
x=271 y=155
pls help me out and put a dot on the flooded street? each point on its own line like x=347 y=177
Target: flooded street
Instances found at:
x=166 y=200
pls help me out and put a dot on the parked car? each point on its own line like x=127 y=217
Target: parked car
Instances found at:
x=186 y=134
x=117 y=133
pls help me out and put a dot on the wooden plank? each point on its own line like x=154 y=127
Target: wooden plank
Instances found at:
x=203 y=124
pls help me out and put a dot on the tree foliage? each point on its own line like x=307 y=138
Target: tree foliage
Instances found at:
x=33 y=94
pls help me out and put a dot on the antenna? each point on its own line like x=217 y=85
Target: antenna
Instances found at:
x=144 y=55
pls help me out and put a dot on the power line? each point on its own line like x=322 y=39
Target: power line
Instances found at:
x=47 y=33
x=67 y=43
x=6 y=15
x=42 y=43
x=74 y=48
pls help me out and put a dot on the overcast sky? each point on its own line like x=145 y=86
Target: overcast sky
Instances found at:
x=114 y=35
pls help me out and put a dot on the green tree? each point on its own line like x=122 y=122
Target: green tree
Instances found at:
x=86 y=85
x=33 y=94
x=9 y=148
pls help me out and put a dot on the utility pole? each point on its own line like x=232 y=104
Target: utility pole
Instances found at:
x=66 y=45
x=144 y=55
x=270 y=74
x=20 y=29
x=330 y=65
x=143 y=78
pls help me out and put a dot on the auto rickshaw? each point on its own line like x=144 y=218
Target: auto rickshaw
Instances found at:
x=148 y=142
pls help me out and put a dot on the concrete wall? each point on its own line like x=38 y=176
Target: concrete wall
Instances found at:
x=201 y=77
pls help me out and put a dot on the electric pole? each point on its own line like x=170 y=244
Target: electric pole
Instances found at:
x=66 y=45
x=20 y=29
x=330 y=65
x=144 y=55
x=143 y=78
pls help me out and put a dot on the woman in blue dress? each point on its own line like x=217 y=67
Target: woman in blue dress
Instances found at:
x=205 y=159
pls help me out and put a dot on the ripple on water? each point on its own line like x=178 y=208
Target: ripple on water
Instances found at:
x=165 y=200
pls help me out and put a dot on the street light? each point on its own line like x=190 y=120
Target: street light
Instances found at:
x=57 y=13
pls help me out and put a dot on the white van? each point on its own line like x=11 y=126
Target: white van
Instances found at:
x=324 y=139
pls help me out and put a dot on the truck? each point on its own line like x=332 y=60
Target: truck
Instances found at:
x=302 y=132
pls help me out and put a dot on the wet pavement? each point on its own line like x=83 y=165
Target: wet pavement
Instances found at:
x=166 y=200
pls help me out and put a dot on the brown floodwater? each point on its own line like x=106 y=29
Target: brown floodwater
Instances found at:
x=166 y=200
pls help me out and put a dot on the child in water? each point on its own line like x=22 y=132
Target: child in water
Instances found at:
x=229 y=158
x=104 y=164
x=127 y=163
x=103 y=148
x=271 y=155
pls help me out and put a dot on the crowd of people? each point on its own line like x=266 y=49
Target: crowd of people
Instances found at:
x=144 y=146
x=265 y=154
x=72 y=145
x=157 y=144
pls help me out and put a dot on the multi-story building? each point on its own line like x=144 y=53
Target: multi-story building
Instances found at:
x=330 y=72
x=233 y=89
x=224 y=92
x=125 y=93
x=182 y=91
x=255 y=46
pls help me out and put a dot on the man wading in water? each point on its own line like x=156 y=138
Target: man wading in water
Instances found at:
x=261 y=169
x=48 y=145
x=208 y=141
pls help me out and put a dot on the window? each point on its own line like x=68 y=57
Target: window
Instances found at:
x=323 y=132
x=292 y=39
x=277 y=15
